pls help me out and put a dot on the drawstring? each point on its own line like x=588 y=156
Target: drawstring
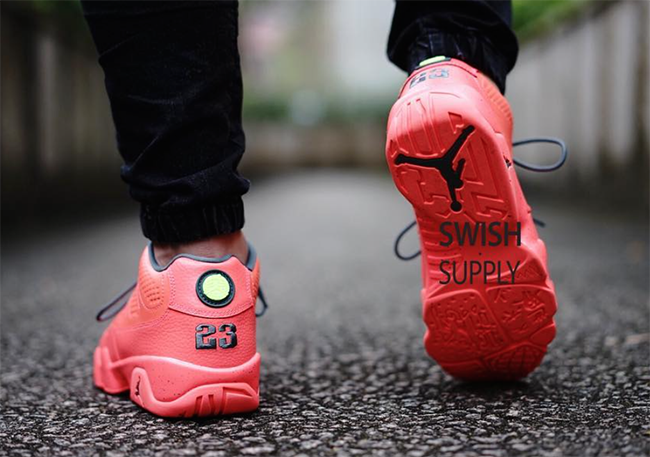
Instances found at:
x=526 y=166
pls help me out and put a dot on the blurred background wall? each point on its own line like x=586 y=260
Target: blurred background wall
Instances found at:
x=318 y=88
x=587 y=80
x=57 y=137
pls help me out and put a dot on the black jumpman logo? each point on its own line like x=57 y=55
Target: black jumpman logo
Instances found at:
x=444 y=165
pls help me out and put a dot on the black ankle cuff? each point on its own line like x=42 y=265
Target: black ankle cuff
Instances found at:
x=191 y=224
x=472 y=49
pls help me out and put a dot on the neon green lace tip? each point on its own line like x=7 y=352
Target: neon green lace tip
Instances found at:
x=431 y=60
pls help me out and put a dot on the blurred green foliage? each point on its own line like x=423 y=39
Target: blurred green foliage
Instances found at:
x=63 y=8
x=532 y=18
x=63 y=16
x=66 y=13
x=269 y=109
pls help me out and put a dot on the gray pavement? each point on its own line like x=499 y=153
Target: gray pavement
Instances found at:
x=344 y=371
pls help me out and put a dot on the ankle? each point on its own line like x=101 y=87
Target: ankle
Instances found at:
x=216 y=246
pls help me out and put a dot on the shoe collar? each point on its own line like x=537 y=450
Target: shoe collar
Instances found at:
x=437 y=61
x=250 y=261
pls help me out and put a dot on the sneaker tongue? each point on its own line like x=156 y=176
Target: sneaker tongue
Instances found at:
x=435 y=59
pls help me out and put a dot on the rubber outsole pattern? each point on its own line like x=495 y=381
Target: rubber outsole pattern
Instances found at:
x=482 y=331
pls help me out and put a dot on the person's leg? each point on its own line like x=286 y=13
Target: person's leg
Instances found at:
x=173 y=78
x=477 y=32
x=184 y=341
x=488 y=303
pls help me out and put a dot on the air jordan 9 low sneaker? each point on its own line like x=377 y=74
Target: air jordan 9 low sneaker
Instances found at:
x=488 y=301
x=184 y=344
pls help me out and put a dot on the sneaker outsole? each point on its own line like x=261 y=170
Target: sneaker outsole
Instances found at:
x=485 y=330
x=168 y=387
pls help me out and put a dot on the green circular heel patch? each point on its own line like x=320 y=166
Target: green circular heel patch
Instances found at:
x=215 y=288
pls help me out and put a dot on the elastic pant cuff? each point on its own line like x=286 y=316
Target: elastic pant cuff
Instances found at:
x=192 y=224
x=471 y=48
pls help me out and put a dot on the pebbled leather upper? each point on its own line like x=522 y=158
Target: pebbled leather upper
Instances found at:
x=164 y=311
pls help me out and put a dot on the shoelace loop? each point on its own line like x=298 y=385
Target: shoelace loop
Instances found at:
x=265 y=305
x=398 y=240
x=118 y=302
x=564 y=154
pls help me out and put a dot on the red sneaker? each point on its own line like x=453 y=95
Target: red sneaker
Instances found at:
x=184 y=344
x=488 y=301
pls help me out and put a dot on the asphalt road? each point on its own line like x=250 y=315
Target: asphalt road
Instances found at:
x=344 y=370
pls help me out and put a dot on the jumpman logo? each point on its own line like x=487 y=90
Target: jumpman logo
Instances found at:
x=444 y=165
